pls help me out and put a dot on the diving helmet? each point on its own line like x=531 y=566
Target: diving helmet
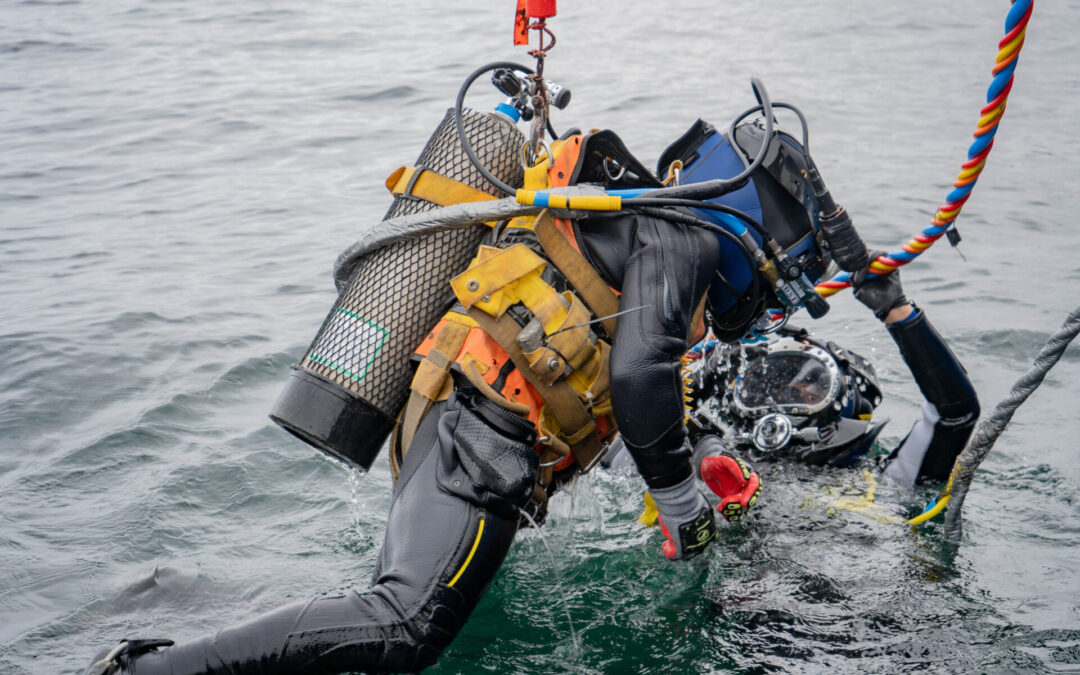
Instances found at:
x=799 y=397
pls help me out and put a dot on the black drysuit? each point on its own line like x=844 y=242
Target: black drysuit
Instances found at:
x=469 y=469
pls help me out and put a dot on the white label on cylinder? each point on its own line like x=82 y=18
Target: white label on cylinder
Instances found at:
x=349 y=344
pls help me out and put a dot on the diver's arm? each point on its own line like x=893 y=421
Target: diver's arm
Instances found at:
x=949 y=413
x=951 y=409
x=664 y=278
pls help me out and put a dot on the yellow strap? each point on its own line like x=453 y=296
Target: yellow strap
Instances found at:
x=536 y=177
x=425 y=184
x=498 y=278
x=521 y=223
x=492 y=269
x=462 y=319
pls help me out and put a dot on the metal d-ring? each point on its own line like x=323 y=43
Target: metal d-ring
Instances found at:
x=526 y=150
x=607 y=169
x=780 y=323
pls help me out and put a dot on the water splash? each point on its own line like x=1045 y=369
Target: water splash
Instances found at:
x=558 y=580
x=355 y=475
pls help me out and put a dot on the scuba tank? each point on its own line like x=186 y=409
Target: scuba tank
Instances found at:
x=345 y=394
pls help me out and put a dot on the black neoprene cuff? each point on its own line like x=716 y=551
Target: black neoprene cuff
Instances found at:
x=939 y=374
x=664 y=463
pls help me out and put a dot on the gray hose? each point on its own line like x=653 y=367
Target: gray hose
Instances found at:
x=992 y=426
x=389 y=231
x=452 y=217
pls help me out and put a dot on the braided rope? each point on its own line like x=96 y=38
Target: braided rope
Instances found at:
x=992 y=426
x=990 y=116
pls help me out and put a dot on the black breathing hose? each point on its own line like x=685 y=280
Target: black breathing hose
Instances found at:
x=775 y=105
x=459 y=120
x=648 y=200
x=714 y=188
x=466 y=144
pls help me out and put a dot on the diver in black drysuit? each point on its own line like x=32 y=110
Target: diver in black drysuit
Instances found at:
x=433 y=566
x=472 y=467
x=927 y=453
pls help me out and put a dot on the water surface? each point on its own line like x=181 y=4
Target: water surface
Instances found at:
x=177 y=177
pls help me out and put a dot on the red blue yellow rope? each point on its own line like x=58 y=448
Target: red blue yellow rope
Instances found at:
x=990 y=116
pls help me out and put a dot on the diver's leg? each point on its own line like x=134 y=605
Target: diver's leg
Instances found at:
x=452 y=521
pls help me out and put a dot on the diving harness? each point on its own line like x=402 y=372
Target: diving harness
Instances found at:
x=536 y=299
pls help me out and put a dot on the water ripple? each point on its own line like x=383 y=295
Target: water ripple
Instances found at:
x=177 y=178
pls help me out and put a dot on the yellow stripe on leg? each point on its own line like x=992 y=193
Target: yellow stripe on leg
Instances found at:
x=475 y=544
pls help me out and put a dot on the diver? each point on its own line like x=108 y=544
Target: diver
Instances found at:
x=796 y=398
x=563 y=334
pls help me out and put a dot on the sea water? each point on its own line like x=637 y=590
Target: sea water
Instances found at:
x=176 y=179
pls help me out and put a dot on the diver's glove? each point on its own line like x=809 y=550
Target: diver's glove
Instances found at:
x=685 y=519
x=116 y=660
x=881 y=293
x=730 y=478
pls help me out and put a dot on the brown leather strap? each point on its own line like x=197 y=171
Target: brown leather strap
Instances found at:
x=470 y=366
x=581 y=275
x=429 y=381
x=575 y=421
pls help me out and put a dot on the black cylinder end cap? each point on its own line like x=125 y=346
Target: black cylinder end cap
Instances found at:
x=331 y=418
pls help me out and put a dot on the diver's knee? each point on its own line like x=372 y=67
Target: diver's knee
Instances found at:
x=436 y=633
x=429 y=630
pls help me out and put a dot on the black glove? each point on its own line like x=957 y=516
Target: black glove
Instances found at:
x=881 y=293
